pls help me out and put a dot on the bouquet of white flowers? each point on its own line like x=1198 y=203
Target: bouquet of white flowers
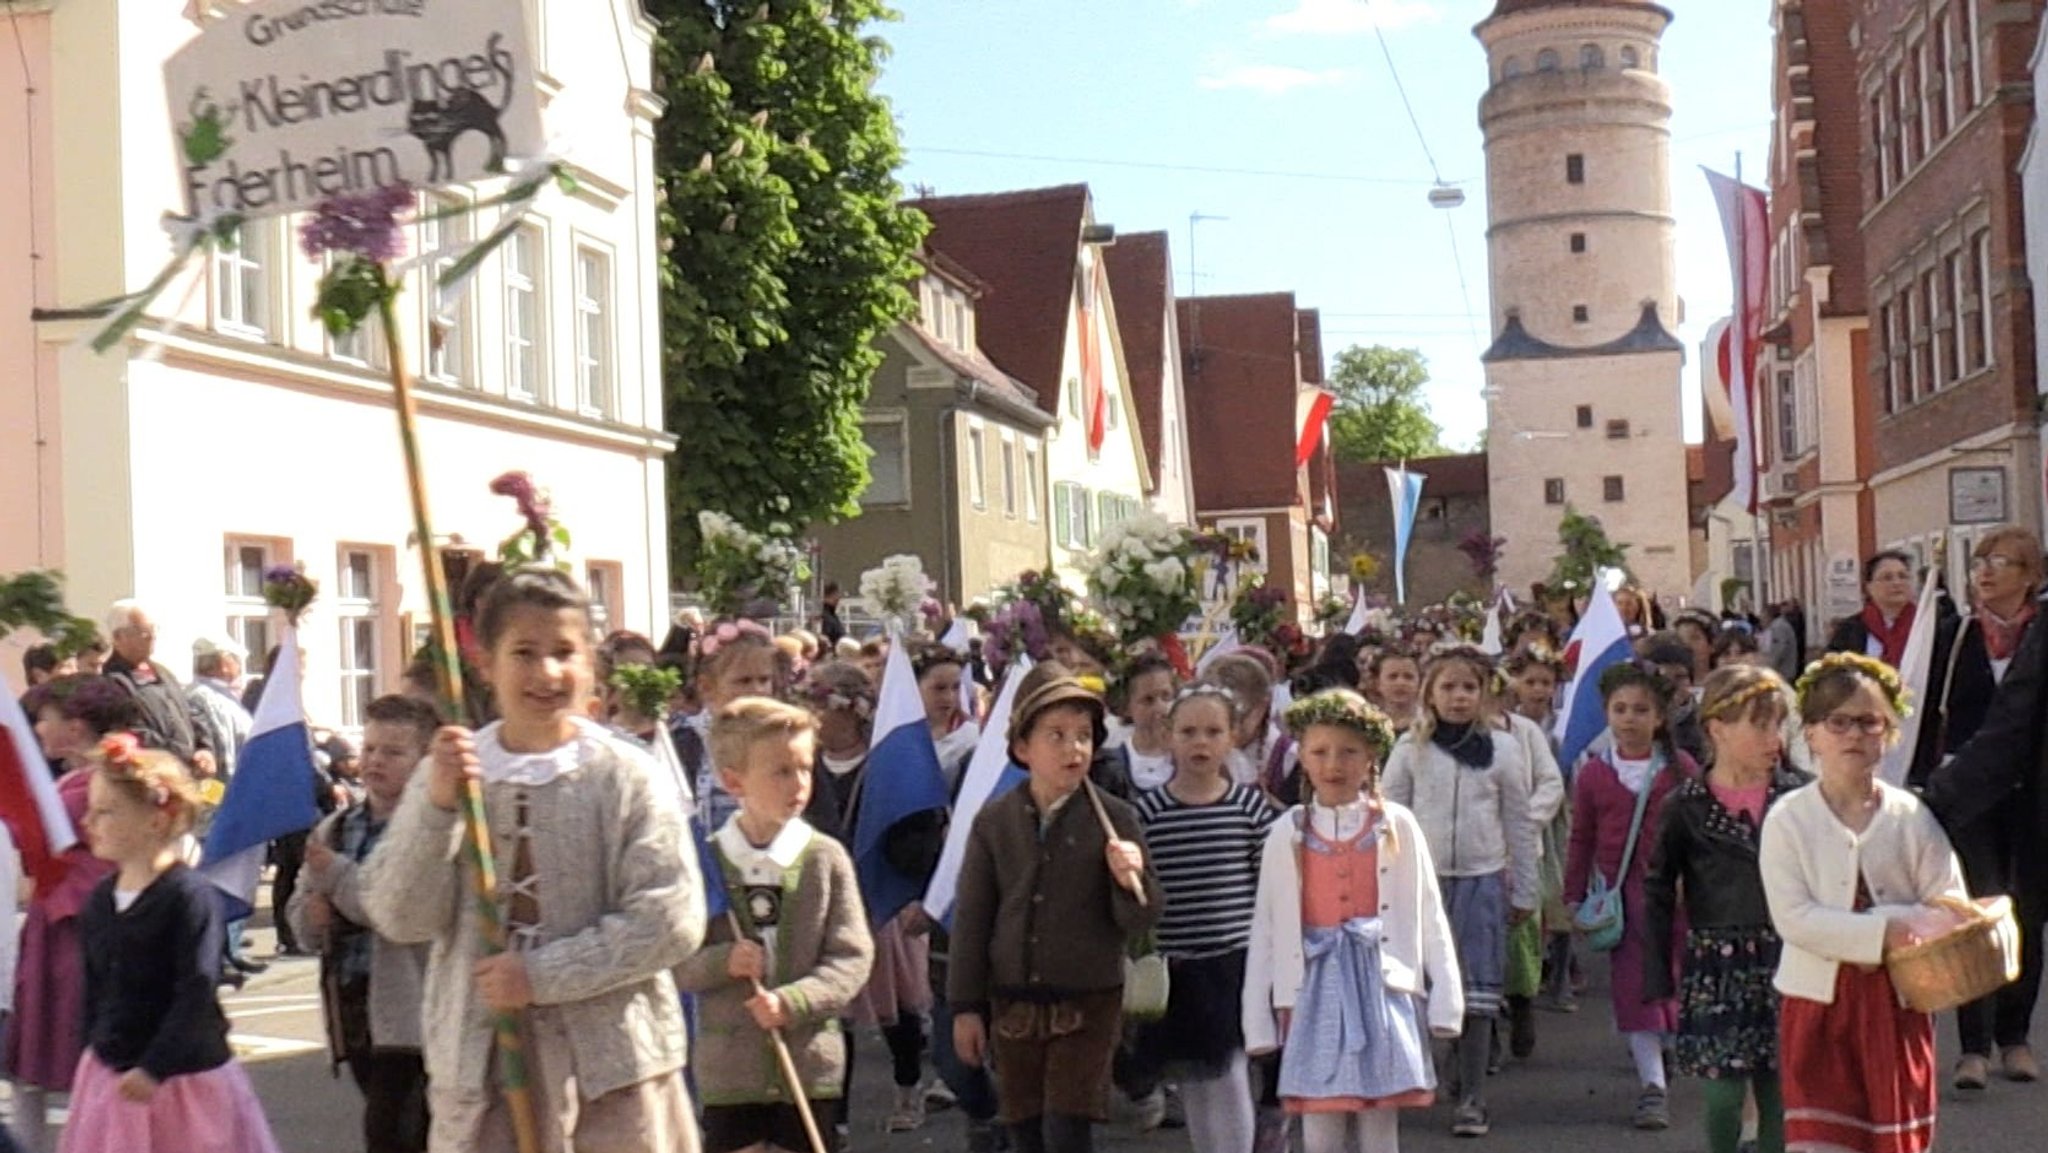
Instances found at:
x=898 y=589
x=742 y=572
x=1142 y=579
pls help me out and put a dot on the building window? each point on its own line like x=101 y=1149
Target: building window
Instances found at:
x=977 y=468
x=604 y=581
x=1581 y=314
x=1944 y=84
x=888 y=463
x=1617 y=430
x=1575 y=168
x=1880 y=144
x=1788 y=417
x=364 y=345
x=1895 y=107
x=1893 y=353
x=1591 y=57
x=1031 y=483
x=524 y=283
x=1578 y=242
x=1585 y=416
x=1953 y=281
x=1112 y=408
x=1512 y=68
x=248 y=617
x=1612 y=490
x=1913 y=126
x=1009 y=463
x=1629 y=58
x=1251 y=531
x=355 y=606
x=243 y=282
x=1940 y=331
x=1553 y=490
x=1547 y=60
x=1070 y=512
x=1969 y=81
x=1980 y=259
x=594 y=331
x=447 y=327
x=1915 y=341
x=1073 y=395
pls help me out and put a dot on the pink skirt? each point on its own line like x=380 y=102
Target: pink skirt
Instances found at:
x=211 y=1112
x=901 y=982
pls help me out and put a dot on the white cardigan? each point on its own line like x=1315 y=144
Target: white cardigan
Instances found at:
x=1811 y=863
x=1415 y=942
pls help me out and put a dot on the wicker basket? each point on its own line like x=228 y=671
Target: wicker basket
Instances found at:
x=1971 y=961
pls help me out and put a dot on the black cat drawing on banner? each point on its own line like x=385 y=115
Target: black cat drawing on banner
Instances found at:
x=439 y=123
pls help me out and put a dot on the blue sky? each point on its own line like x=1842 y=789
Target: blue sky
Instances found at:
x=1281 y=116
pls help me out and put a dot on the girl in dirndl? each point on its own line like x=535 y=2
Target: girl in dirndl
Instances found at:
x=1850 y=865
x=1637 y=775
x=1706 y=858
x=1466 y=782
x=1352 y=966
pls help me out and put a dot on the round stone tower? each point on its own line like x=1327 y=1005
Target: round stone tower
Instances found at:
x=1583 y=374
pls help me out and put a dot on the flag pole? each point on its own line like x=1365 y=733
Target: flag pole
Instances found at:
x=476 y=838
x=1759 y=524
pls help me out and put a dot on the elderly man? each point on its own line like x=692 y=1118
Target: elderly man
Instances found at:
x=216 y=696
x=169 y=722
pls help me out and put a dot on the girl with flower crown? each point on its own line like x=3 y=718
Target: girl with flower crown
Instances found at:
x=1851 y=867
x=1349 y=928
x=733 y=659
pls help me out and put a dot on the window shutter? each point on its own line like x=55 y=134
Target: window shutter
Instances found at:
x=1062 y=515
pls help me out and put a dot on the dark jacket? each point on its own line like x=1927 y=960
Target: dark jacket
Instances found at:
x=149 y=977
x=911 y=846
x=1960 y=689
x=1039 y=918
x=1712 y=855
x=2003 y=767
x=169 y=719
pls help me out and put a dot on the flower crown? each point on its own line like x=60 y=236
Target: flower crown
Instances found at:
x=824 y=698
x=1206 y=690
x=1637 y=671
x=1885 y=677
x=1345 y=710
x=120 y=756
x=1734 y=705
x=726 y=632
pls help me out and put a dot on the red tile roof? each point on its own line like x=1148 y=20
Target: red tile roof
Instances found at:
x=1024 y=247
x=1241 y=383
x=1140 y=287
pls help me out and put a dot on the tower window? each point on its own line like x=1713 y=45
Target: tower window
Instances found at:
x=1612 y=489
x=1581 y=314
x=1547 y=60
x=1512 y=68
x=1553 y=490
x=1578 y=242
x=1617 y=430
x=1591 y=57
x=1585 y=416
x=1575 y=168
x=1629 y=59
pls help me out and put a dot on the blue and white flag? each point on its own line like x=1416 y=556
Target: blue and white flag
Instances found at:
x=903 y=779
x=1490 y=641
x=1598 y=644
x=958 y=638
x=672 y=773
x=990 y=773
x=1404 y=488
x=271 y=794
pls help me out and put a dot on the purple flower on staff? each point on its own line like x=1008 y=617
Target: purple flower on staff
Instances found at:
x=932 y=610
x=533 y=504
x=365 y=226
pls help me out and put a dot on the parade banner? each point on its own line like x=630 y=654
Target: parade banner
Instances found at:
x=283 y=104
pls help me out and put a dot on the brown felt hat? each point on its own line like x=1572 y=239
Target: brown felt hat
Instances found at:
x=1046 y=685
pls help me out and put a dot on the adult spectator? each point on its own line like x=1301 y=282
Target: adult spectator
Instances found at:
x=92 y=657
x=1975 y=668
x=1781 y=643
x=1881 y=629
x=830 y=626
x=41 y=663
x=1795 y=614
x=216 y=695
x=169 y=721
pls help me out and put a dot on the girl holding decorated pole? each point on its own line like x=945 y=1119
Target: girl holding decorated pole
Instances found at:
x=1352 y=966
x=1465 y=781
x=600 y=895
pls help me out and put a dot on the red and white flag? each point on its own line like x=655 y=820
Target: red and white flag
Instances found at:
x=1745 y=219
x=1094 y=397
x=1311 y=417
x=29 y=803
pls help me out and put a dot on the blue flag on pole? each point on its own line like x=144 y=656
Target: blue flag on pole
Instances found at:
x=990 y=773
x=902 y=780
x=272 y=792
x=1599 y=643
x=1404 y=488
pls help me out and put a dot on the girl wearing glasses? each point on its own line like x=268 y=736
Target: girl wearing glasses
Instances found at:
x=1848 y=864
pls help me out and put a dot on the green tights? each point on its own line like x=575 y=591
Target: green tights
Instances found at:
x=1724 y=1113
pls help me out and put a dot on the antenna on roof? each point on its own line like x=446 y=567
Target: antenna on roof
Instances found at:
x=1194 y=355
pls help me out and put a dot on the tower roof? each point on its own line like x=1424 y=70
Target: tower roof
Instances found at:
x=1514 y=7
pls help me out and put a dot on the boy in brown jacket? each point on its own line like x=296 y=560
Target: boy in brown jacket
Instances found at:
x=1048 y=906
x=804 y=941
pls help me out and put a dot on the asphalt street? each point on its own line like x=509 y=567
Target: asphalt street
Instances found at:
x=1572 y=1096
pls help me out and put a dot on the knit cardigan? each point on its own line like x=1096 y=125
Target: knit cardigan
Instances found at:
x=823 y=954
x=621 y=904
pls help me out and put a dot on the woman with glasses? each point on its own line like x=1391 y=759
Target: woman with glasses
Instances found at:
x=1849 y=865
x=1881 y=629
x=1971 y=657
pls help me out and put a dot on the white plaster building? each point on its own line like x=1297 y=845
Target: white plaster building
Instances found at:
x=176 y=467
x=1583 y=406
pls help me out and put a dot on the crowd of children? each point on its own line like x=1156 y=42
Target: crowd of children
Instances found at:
x=1359 y=897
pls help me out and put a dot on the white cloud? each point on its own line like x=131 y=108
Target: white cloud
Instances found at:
x=1272 y=79
x=1349 y=17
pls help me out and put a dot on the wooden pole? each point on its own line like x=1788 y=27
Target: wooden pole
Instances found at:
x=476 y=837
x=782 y=1057
x=1136 y=886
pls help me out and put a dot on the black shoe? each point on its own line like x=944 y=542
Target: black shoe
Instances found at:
x=234 y=980
x=249 y=965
